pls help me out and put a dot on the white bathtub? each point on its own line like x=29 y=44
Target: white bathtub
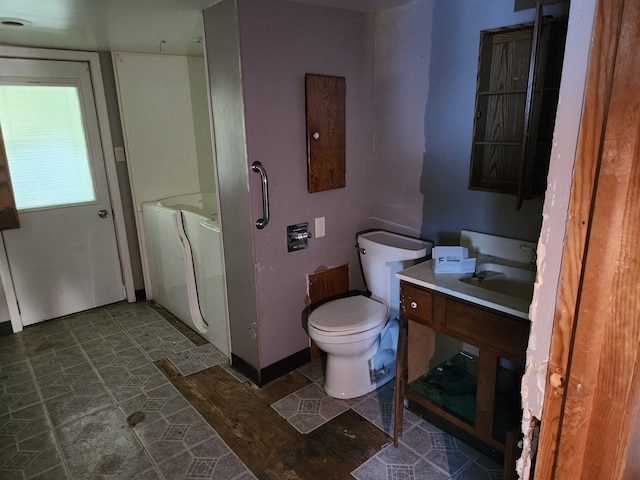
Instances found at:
x=184 y=263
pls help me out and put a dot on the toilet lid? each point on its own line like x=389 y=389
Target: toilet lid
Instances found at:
x=357 y=313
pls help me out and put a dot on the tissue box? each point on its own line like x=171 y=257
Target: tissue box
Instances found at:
x=452 y=260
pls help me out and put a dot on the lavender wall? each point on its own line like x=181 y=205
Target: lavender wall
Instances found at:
x=402 y=51
x=427 y=161
x=280 y=43
x=410 y=75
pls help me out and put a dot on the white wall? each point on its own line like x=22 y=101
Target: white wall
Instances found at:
x=402 y=58
x=165 y=122
x=158 y=123
x=201 y=123
x=4 y=310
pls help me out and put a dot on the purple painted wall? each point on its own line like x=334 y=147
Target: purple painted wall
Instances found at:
x=410 y=75
x=280 y=43
x=426 y=65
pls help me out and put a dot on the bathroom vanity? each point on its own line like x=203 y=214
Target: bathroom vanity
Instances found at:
x=471 y=386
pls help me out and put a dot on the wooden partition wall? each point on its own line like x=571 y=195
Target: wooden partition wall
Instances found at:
x=591 y=419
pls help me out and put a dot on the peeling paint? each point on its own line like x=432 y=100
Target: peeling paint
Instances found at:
x=542 y=375
x=554 y=221
x=529 y=444
x=253 y=331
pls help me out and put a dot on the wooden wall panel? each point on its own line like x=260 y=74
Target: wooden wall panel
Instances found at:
x=328 y=282
x=324 y=284
x=590 y=142
x=591 y=404
x=326 y=132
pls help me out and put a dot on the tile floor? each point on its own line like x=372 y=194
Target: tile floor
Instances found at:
x=424 y=451
x=74 y=392
x=80 y=397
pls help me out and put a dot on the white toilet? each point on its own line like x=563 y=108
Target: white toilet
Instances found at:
x=359 y=333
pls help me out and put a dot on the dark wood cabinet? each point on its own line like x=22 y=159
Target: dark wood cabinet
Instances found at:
x=519 y=71
x=325 y=101
x=480 y=397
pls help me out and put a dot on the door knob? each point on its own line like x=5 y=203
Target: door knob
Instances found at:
x=103 y=213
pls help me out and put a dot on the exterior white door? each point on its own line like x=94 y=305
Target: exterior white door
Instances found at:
x=64 y=257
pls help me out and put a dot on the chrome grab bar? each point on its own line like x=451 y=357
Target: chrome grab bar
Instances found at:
x=262 y=222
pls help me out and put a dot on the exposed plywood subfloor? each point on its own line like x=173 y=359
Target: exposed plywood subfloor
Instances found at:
x=264 y=441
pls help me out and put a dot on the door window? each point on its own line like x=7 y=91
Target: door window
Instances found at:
x=46 y=145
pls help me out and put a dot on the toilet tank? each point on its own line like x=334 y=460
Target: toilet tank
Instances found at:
x=382 y=255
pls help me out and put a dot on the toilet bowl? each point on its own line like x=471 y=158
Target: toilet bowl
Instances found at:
x=348 y=330
x=359 y=333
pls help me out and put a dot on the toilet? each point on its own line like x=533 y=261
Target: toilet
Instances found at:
x=359 y=333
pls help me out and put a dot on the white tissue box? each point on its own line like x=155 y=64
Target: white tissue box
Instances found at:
x=452 y=260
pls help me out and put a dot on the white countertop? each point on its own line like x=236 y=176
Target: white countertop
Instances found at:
x=449 y=283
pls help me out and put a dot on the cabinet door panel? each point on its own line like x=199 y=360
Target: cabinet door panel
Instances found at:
x=514 y=116
x=417 y=304
x=326 y=132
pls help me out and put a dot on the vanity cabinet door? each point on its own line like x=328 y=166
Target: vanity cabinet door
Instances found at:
x=417 y=304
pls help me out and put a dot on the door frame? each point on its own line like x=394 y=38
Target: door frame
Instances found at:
x=591 y=418
x=124 y=254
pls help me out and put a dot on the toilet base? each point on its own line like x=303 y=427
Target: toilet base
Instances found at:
x=354 y=376
x=346 y=378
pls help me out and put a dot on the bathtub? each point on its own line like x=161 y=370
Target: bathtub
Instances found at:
x=183 y=249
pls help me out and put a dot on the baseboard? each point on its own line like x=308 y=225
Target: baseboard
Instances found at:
x=284 y=366
x=5 y=328
x=273 y=371
x=245 y=368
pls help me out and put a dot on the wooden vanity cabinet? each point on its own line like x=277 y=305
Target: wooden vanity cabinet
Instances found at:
x=492 y=334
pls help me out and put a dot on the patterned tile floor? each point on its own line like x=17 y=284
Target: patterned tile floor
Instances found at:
x=308 y=408
x=424 y=453
x=80 y=398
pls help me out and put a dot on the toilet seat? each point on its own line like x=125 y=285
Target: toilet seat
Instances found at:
x=348 y=316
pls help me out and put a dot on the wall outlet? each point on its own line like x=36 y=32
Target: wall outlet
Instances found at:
x=319 y=231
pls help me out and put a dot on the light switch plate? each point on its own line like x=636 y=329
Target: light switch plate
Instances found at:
x=119 y=153
x=319 y=230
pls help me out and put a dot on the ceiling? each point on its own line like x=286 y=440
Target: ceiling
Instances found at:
x=147 y=26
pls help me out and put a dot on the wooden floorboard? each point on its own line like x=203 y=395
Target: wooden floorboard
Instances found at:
x=242 y=415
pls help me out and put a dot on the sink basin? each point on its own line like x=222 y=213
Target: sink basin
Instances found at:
x=504 y=279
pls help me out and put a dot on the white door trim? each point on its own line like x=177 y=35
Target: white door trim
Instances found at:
x=9 y=291
x=93 y=60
